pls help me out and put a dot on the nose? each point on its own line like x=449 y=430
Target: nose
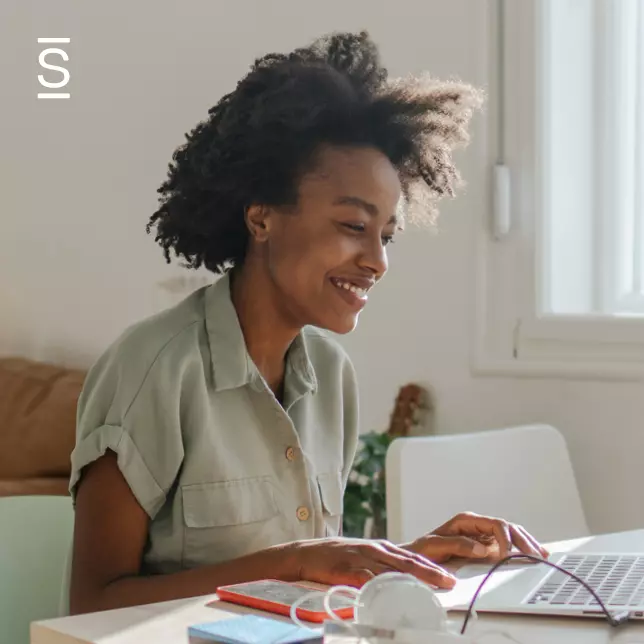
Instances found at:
x=374 y=258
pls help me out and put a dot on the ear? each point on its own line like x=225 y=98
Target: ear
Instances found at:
x=258 y=222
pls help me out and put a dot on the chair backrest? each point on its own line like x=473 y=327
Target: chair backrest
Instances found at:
x=35 y=534
x=522 y=474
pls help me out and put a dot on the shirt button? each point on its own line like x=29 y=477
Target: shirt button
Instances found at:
x=303 y=513
x=290 y=454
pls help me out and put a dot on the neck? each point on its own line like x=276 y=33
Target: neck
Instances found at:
x=266 y=330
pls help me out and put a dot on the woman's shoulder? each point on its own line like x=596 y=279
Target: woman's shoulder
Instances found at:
x=175 y=325
x=160 y=343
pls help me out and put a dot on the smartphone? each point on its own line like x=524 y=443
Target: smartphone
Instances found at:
x=278 y=597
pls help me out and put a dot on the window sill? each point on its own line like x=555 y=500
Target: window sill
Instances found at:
x=580 y=347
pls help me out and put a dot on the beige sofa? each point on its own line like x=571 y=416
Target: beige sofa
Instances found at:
x=37 y=426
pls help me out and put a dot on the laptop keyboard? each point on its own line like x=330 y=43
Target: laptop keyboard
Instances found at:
x=617 y=579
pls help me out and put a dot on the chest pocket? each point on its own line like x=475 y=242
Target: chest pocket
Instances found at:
x=330 y=486
x=228 y=519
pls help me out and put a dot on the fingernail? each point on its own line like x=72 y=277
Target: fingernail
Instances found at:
x=479 y=550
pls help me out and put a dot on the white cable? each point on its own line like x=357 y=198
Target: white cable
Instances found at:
x=336 y=589
x=381 y=605
x=296 y=604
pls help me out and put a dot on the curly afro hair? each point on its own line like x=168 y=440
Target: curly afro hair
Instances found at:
x=261 y=138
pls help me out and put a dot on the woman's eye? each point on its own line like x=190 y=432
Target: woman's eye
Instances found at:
x=357 y=227
x=360 y=228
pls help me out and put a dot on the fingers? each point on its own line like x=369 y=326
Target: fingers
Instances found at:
x=514 y=535
x=520 y=538
x=510 y=535
x=356 y=577
x=526 y=543
x=363 y=575
x=499 y=529
x=392 y=557
x=441 y=549
x=506 y=534
x=419 y=555
x=354 y=562
x=480 y=528
x=463 y=547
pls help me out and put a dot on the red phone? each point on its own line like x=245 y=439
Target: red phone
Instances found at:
x=278 y=597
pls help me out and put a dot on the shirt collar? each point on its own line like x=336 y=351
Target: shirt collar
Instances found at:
x=232 y=366
x=299 y=378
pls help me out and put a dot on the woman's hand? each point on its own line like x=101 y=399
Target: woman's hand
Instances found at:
x=474 y=536
x=353 y=562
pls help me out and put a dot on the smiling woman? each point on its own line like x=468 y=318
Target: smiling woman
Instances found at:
x=215 y=439
x=328 y=250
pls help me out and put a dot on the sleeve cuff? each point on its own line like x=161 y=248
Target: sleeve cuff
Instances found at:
x=147 y=491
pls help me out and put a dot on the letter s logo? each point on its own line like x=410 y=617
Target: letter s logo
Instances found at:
x=57 y=68
x=43 y=63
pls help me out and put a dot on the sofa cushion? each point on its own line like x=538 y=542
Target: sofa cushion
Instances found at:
x=37 y=418
x=54 y=486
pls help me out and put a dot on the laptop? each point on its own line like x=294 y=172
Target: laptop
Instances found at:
x=539 y=589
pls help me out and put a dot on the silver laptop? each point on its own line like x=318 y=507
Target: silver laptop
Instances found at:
x=531 y=588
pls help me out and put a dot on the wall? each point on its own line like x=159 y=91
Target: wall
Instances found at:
x=79 y=179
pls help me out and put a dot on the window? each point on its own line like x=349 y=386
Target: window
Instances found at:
x=562 y=290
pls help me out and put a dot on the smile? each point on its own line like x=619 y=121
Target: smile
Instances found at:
x=358 y=292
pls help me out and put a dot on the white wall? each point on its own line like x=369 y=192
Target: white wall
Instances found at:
x=79 y=178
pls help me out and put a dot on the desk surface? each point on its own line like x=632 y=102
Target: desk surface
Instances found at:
x=167 y=623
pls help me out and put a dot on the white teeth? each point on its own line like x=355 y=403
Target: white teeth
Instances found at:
x=360 y=292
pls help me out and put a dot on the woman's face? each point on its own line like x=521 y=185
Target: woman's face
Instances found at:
x=324 y=258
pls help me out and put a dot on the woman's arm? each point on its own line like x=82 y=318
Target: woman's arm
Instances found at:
x=110 y=534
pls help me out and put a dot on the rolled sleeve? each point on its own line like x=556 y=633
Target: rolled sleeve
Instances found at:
x=130 y=405
x=131 y=463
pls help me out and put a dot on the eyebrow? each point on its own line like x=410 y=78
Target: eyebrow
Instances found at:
x=370 y=208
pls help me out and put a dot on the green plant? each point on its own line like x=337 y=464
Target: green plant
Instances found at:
x=364 y=498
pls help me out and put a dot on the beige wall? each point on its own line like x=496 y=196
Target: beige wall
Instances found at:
x=79 y=178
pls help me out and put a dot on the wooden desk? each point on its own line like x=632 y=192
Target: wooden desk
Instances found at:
x=167 y=623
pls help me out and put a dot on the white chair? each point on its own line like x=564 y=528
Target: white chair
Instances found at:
x=522 y=474
x=35 y=535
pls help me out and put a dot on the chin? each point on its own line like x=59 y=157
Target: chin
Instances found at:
x=341 y=326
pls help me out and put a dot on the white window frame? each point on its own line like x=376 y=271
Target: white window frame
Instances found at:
x=514 y=334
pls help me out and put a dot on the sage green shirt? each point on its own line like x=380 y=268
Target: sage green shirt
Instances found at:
x=221 y=468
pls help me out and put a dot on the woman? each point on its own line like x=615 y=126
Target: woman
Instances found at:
x=215 y=439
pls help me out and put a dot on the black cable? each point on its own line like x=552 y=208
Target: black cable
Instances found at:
x=614 y=620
